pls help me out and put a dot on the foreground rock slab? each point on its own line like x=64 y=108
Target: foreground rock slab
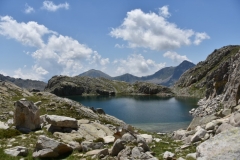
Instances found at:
x=62 y=121
x=225 y=145
x=50 y=148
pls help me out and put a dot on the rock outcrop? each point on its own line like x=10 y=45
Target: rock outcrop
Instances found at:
x=215 y=80
x=24 y=83
x=66 y=86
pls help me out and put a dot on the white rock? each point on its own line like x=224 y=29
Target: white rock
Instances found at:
x=62 y=121
x=108 y=139
x=157 y=139
x=17 y=151
x=168 y=155
x=3 y=125
x=148 y=138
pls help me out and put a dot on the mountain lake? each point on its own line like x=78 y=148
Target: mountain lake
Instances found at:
x=146 y=112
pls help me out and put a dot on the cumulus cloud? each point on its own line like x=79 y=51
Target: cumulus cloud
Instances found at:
x=137 y=65
x=119 y=46
x=50 y=6
x=28 y=9
x=175 y=56
x=25 y=74
x=57 y=55
x=30 y=33
x=199 y=37
x=163 y=11
x=151 y=30
x=97 y=59
x=3 y=73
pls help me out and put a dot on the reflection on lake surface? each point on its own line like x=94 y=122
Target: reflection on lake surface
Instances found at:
x=151 y=113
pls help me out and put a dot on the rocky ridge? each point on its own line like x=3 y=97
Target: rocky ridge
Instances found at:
x=25 y=83
x=215 y=127
x=66 y=86
x=166 y=76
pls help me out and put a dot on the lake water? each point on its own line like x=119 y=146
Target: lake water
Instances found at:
x=151 y=113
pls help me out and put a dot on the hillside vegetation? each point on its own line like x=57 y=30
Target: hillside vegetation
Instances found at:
x=65 y=86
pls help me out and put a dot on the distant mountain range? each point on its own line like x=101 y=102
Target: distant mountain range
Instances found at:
x=166 y=76
x=24 y=83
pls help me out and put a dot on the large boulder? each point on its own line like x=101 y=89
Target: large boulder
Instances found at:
x=179 y=134
x=234 y=120
x=225 y=145
x=50 y=148
x=62 y=121
x=142 y=143
x=223 y=127
x=117 y=147
x=199 y=135
x=26 y=115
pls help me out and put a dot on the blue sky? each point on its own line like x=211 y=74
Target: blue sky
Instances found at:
x=40 y=39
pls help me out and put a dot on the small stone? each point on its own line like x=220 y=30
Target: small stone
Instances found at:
x=168 y=155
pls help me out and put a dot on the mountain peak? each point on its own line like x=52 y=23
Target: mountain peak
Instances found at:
x=95 y=73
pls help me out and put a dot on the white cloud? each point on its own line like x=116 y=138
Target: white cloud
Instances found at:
x=163 y=11
x=50 y=6
x=137 y=65
x=30 y=33
x=19 y=73
x=119 y=46
x=150 y=30
x=40 y=70
x=175 y=57
x=28 y=9
x=199 y=37
x=97 y=59
x=3 y=73
x=57 y=55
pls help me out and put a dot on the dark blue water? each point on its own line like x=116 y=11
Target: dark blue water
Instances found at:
x=150 y=113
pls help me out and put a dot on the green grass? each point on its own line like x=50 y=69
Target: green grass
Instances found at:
x=172 y=146
x=9 y=133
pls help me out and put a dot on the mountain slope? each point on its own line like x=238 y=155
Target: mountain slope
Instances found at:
x=178 y=71
x=216 y=80
x=95 y=73
x=24 y=83
x=166 y=76
x=127 y=78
